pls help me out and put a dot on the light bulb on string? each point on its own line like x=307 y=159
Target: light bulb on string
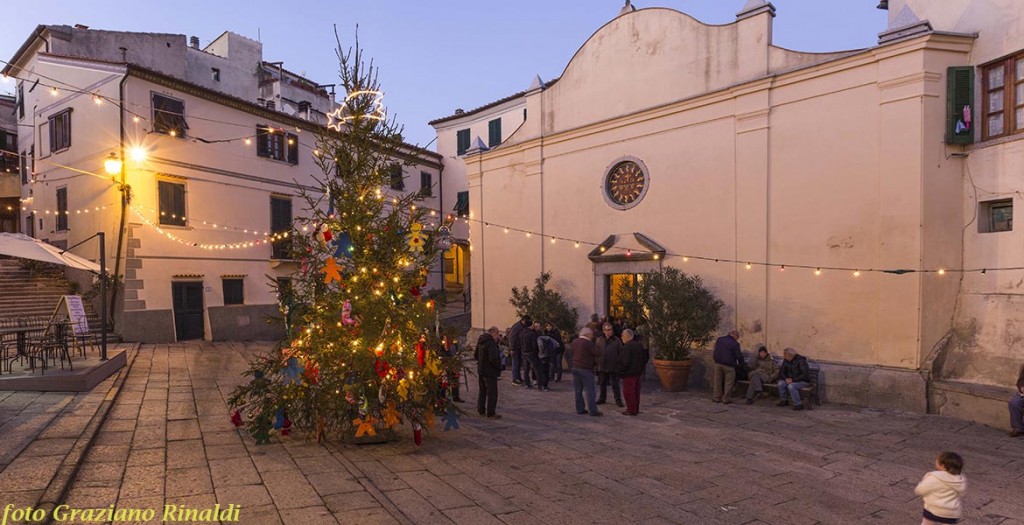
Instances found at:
x=941 y=271
x=748 y=266
x=817 y=271
x=856 y=273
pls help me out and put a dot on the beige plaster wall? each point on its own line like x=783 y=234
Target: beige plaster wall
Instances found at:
x=830 y=165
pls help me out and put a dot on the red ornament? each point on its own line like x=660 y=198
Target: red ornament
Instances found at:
x=286 y=428
x=417 y=434
x=382 y=368
x=236 y=418
x=421 y=352
x=312 y=372
x=415 y=291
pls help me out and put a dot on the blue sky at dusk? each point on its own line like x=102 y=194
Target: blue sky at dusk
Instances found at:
x=433 y=56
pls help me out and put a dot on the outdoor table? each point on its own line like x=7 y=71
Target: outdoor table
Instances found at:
x=22 y=332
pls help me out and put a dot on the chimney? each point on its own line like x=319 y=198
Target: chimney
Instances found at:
x=124 y=54
x=194 y=42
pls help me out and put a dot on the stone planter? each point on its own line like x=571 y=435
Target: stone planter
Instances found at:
x=673 y=375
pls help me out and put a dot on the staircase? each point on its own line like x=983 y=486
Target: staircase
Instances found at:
x=34 y=295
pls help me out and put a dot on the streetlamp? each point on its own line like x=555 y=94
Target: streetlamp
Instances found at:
x=112 y=165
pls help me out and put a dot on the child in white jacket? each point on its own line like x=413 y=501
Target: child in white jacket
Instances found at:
x=942 y=490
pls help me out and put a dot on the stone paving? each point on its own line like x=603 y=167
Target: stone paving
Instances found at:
x=168 y=440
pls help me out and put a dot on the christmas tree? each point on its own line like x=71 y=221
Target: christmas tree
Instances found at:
x=359 y=358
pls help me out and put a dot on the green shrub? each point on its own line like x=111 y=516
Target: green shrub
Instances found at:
x=674 y=311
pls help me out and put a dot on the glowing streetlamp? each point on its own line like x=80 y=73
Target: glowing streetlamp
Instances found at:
x=112 y=165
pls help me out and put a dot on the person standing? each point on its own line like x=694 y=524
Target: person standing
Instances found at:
x=942 y=490
x=488 y=368
x=633 y=359
x=794 y=375
x=727 y=357
x=1017 y=407
x=555 y=366
x=514 y=340
x=608 y=363
x=584 y=359
x=530 y=346
x=764 y=371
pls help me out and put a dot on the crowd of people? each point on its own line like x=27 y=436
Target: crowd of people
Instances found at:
x=603 y=356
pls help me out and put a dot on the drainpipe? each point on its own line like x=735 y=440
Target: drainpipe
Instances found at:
x=123 y=188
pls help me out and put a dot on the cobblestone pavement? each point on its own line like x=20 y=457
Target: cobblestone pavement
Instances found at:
x=683 y=460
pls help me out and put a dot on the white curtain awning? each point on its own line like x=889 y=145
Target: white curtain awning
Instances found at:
x=24 y=247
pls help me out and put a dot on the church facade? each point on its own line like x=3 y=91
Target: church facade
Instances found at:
x=856 y=205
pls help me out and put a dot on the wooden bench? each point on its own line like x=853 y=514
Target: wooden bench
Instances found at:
x=808 y=394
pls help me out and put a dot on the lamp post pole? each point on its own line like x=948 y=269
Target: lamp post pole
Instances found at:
x=103 y=296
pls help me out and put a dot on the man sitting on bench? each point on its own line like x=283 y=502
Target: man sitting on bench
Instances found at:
x=763 y=371
x=794 y=375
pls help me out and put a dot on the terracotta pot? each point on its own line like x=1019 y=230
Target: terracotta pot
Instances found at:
x=674 y=375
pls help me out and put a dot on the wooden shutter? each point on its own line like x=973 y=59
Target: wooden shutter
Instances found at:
x=494 y=133
x=293 y=149
x=960 y=114
x=261 y=140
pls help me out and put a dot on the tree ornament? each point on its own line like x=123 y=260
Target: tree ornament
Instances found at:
x=415 y=238
x=236 y=418
x=324 y=235
x=421 y=351
x=444 y=237
x=346 y=314
x=330 y=271
x=451 y=420
x=382 y=368
x=417 y=434
x=414 y=291
x=279 y=418
x=391 y=418
x=403 y=389
x=343 y=246
x=312 y=372
x=364 y=426
x=292 y=372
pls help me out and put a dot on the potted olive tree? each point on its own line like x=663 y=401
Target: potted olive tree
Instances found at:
x=675 y=314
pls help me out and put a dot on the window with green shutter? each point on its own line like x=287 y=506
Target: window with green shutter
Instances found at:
x=172 y=203
x=462 y=138
x=959 y=105
x=494 y=133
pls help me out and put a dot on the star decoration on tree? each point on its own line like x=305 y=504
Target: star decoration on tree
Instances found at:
x=341 y=116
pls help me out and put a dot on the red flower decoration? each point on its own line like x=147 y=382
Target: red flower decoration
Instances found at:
x=382 y=368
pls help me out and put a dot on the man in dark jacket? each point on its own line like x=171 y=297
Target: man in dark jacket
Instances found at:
x=633 y=359
x=530 y=349
x=514 y=333
x=793 y=375
x=608 y=345
x=728 y=357
x=584 y=359
x=488 y=368
x=1017 y=407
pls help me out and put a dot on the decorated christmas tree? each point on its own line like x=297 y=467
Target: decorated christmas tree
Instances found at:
x=361 y=356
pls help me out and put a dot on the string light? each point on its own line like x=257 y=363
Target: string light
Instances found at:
x=98 y=99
